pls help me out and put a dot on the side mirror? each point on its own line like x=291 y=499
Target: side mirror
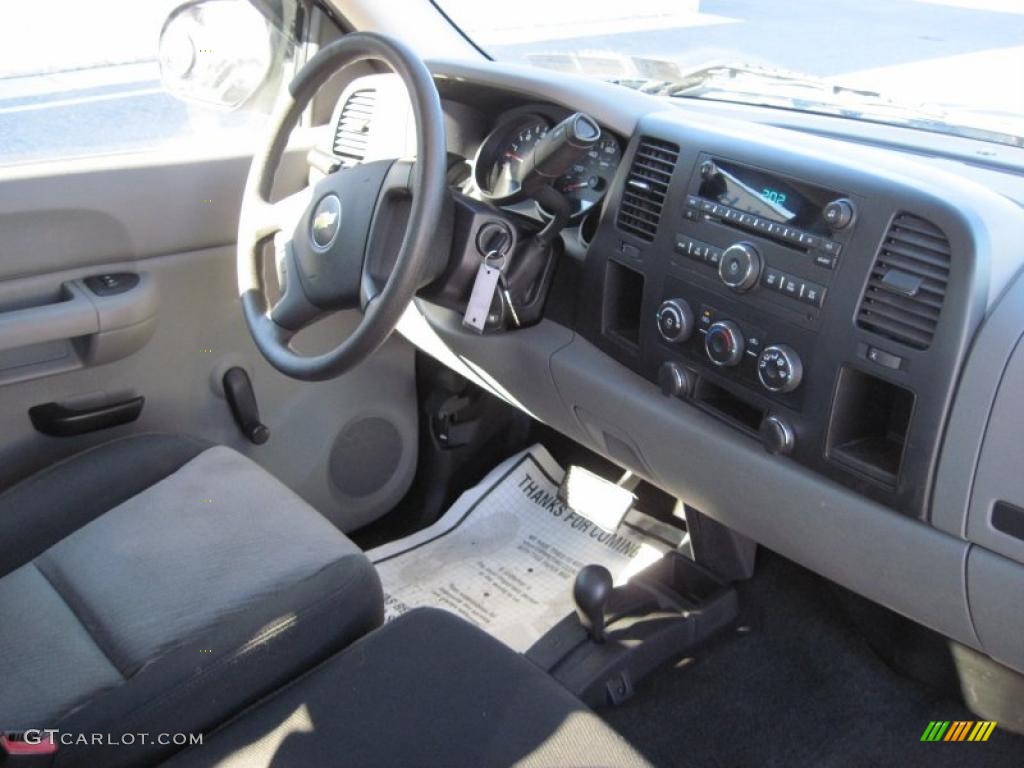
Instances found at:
x=217 y=53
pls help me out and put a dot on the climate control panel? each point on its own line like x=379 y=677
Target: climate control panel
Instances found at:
x=728 y=344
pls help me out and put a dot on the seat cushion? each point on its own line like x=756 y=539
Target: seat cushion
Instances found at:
x=427 y=689
x=178 y=605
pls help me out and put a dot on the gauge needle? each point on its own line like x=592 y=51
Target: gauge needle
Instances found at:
x=577 y=185
x=513 y=156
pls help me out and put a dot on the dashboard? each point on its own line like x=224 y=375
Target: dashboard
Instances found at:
x=812 y=339
x=497 y=166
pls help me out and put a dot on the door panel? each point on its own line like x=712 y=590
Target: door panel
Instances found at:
x=348 y=446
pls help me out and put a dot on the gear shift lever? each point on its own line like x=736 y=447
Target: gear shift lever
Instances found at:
x=591 y=591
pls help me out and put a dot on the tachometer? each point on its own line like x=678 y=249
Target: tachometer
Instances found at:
x=585 y=183
x=499 y=163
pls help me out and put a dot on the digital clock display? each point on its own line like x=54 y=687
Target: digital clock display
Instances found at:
x=766 y=195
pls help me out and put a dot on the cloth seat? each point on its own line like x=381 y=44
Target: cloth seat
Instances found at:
x=427 y=689
x=159 y=584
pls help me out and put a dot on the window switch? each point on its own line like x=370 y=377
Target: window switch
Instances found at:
x=112 y=284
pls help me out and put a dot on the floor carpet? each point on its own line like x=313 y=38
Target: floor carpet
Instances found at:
x=800 y=687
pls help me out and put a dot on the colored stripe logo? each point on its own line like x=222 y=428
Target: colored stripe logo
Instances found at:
x=958 y=730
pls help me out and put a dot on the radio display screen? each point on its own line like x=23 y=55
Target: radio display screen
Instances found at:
x=768 y=196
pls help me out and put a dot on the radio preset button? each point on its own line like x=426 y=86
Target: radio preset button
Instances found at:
x=772 y=279
x=825 y=260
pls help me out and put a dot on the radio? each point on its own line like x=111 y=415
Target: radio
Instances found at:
x=787 y=236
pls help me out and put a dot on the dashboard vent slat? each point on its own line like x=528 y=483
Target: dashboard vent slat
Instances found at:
x=915 y=249
x=647 y=187
x=352 y=134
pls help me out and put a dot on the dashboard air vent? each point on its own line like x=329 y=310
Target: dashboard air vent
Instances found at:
x=907 y=284
x=647 y=187
x=353 y=129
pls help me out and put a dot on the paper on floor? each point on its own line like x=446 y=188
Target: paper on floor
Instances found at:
x=504 y=556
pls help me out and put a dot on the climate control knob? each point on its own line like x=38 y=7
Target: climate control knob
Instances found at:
x=779 y=368
x=777 y=436
x=675 y=320
x=740 y=266
x=724 y=343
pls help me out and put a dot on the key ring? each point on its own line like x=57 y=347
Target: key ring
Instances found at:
x=492 y=256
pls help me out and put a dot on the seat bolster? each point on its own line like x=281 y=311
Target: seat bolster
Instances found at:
x=44 y=508
x=213 y=674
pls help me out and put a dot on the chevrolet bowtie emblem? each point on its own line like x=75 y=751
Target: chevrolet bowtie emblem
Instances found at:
x=326 y=222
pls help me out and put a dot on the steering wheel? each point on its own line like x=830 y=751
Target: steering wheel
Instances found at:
x=323 y=246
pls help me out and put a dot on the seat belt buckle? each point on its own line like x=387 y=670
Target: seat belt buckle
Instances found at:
x=18 y=750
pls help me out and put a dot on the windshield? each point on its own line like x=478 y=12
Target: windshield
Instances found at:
x=954 y=66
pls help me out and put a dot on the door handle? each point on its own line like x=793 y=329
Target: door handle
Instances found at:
x=60 y=421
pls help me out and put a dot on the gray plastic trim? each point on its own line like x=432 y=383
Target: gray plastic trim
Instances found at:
x=998 y=476
x=511 y=366
x=995 y=586
x=969 y=419
x=71 y=316
x=887 y=557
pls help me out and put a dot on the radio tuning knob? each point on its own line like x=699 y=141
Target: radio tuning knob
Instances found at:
x=675 y=320
x=740 y=266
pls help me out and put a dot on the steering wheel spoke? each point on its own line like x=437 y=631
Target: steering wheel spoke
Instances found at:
x=269 y=219
x=293 y=310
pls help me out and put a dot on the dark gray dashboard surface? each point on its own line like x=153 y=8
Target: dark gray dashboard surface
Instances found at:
x=914 y=567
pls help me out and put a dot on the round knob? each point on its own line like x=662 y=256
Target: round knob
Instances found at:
x=674 y=380
x=708 y=170
x=724 y=343
x=779 y=368
x=675 y=320
x=838 y=214
x=740 y=266
x=777 y=435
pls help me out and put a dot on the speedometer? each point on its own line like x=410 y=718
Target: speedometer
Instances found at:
x=585 y=183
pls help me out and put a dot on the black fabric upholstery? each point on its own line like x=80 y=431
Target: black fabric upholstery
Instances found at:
x=42 y=509
x=185 y=584
x=231 y=665
x=427 y=689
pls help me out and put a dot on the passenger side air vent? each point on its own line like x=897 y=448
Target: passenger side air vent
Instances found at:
x=908 y=281
x=353 y=130
x=647 y=187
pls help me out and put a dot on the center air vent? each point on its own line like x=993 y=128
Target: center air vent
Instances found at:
x=908 y=282
x=353 y=131
x=647 y=187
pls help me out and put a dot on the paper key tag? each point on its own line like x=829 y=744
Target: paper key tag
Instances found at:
x=481 y=298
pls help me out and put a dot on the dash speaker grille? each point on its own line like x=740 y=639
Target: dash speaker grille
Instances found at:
x=365 y=456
